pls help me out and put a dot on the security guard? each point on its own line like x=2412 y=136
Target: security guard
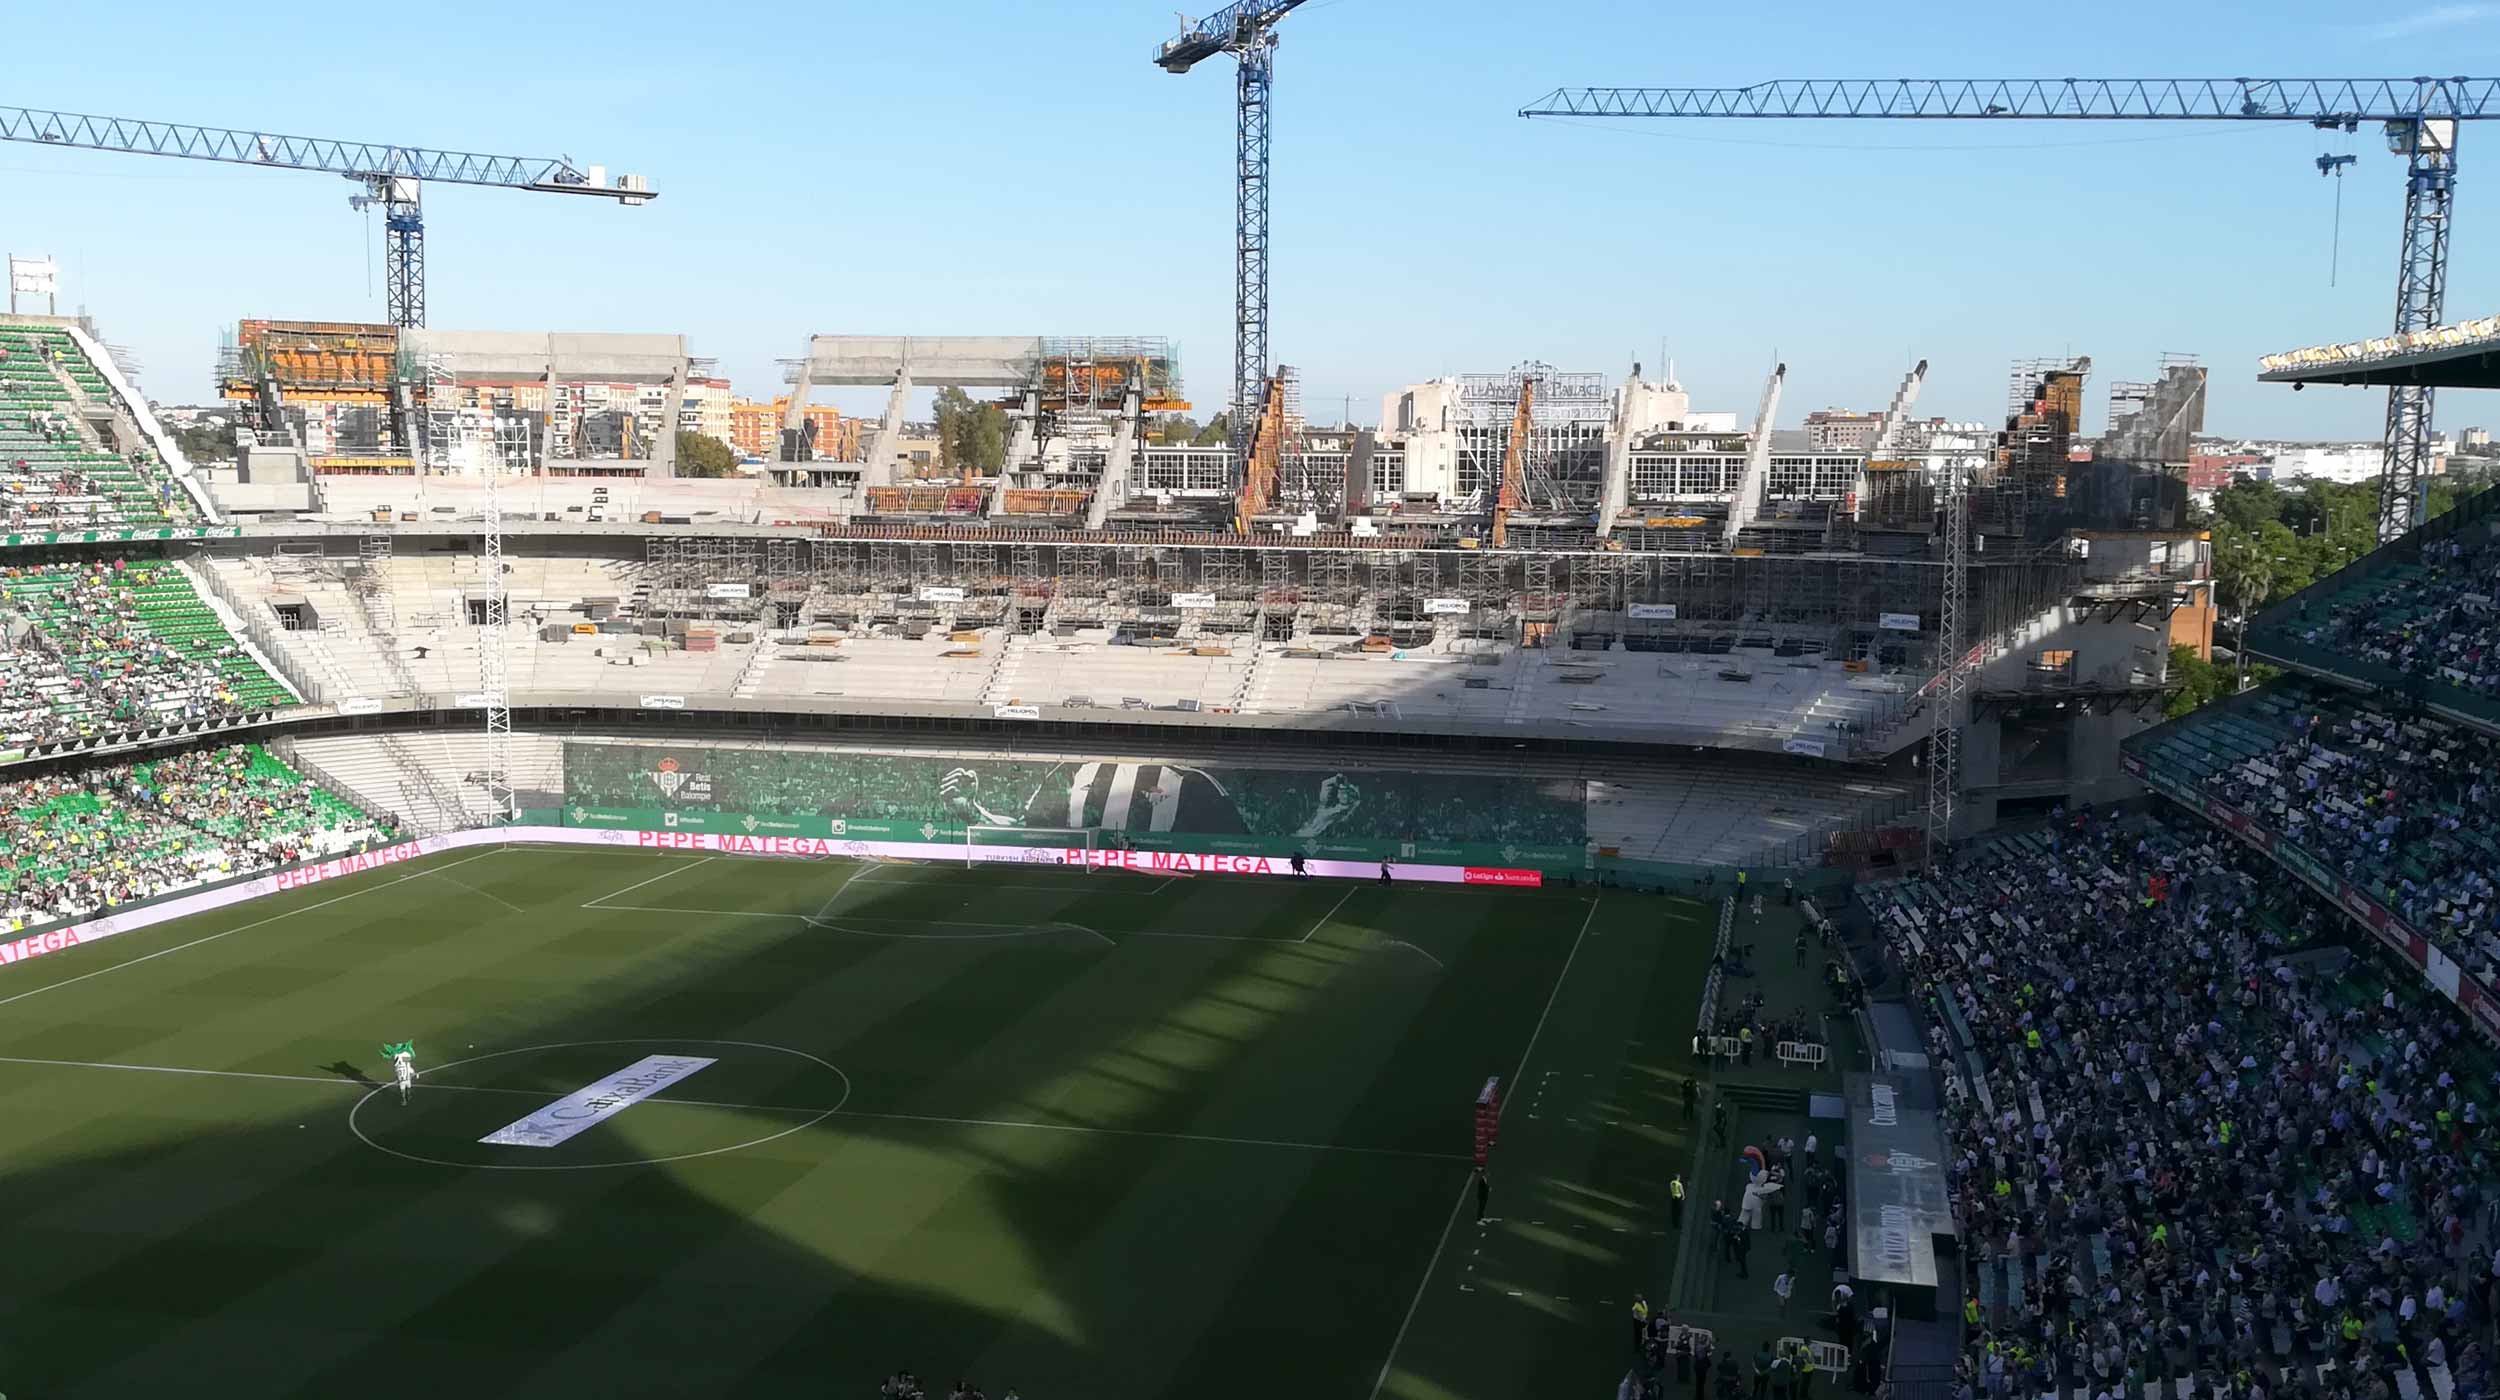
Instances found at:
x=1675 y=1200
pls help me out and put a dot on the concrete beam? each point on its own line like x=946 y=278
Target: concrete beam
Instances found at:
x=972 y=361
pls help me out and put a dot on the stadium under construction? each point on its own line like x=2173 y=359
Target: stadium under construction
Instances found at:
x=1528 y=555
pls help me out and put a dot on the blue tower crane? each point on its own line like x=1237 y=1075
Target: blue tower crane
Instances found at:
x=392 y=176
x=1247 y=31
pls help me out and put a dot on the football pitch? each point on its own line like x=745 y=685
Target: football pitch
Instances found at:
x=1101 y=1134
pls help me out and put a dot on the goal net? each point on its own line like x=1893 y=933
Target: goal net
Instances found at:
x=1032 y=845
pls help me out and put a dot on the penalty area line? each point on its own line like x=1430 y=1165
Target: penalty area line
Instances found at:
x=1331 y=914
x=602 y=901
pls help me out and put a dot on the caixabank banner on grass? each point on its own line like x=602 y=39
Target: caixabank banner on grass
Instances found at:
x=1352 y=814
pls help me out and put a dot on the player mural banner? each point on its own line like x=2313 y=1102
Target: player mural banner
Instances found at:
x=1397 y=815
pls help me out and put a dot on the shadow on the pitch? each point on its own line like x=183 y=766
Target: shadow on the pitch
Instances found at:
x=353 y=1074
x=1039 y=1259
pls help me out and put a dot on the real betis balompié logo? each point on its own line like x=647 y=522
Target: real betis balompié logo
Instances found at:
x=678 y=783
x=670 y=777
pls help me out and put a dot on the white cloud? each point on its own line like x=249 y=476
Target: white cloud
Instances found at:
x=2436 y=18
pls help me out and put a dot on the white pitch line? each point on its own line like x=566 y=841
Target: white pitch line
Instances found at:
x=1332 y=913
x=638 y=884
x=341 y=1082
x=488 y=894
x=843 y=888
x=1150 y=1133
x=1402 y=943
x=1464 y=1187
x=245 y=928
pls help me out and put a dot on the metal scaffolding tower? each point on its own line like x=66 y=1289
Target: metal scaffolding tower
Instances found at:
x=2430 y=152
x=493 y=641
x=1944 y=748
x=450 y=450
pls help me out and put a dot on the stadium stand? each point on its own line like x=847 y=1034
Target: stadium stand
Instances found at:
x=2402 y=805
x=79 y=844
x=2420 y=614
x=55 y=472
x=99 y=648
x=2191 y=1138
x=401 y=627
x=395 y=626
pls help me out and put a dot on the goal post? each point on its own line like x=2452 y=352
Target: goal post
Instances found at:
x=1036 y=845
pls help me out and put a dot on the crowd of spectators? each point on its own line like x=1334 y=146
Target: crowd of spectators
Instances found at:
x=2404 y=807
x=2437 y=620
x=81 y=657
x=78 y=844
x=2184 y=1139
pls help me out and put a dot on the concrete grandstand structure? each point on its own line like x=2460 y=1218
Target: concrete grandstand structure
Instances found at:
x=1728 y=640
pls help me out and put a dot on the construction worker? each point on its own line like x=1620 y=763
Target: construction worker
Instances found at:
x=1675 y=1201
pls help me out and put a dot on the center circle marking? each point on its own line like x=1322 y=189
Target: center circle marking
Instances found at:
x=367 y=1139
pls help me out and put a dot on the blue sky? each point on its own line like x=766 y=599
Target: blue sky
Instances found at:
x=994 y=167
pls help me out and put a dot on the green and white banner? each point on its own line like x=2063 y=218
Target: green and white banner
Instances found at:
x=1355 y=813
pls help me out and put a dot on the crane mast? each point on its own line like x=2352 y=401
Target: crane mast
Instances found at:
x=2420 y=117
x=1247 y=31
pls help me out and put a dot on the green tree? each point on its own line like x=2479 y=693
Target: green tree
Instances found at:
x=985 y=440
x=2245 y=505
x=702 y=455
x=1173 y=430
x=1217 y=433
x=206 y=442
x=2200 y=681
x=949 y=412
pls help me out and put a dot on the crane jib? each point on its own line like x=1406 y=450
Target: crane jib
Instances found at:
x=2323 y=101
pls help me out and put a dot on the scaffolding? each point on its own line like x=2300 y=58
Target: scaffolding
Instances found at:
x=444 y=454
x=1562 y=462
x=2044 y=407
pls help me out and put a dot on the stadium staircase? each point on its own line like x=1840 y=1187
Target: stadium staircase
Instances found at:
x=56 y=474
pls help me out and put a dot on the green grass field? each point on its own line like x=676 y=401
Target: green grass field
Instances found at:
x=1083 y=1134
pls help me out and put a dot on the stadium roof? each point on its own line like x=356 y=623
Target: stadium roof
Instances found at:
x=2461 y=356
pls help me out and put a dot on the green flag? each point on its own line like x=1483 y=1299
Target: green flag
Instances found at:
x=405 y=1047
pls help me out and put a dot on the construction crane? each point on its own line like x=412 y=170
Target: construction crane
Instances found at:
x=1247 y=31
x=2419 y=116
x=393 y=177
x=1514 y=460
